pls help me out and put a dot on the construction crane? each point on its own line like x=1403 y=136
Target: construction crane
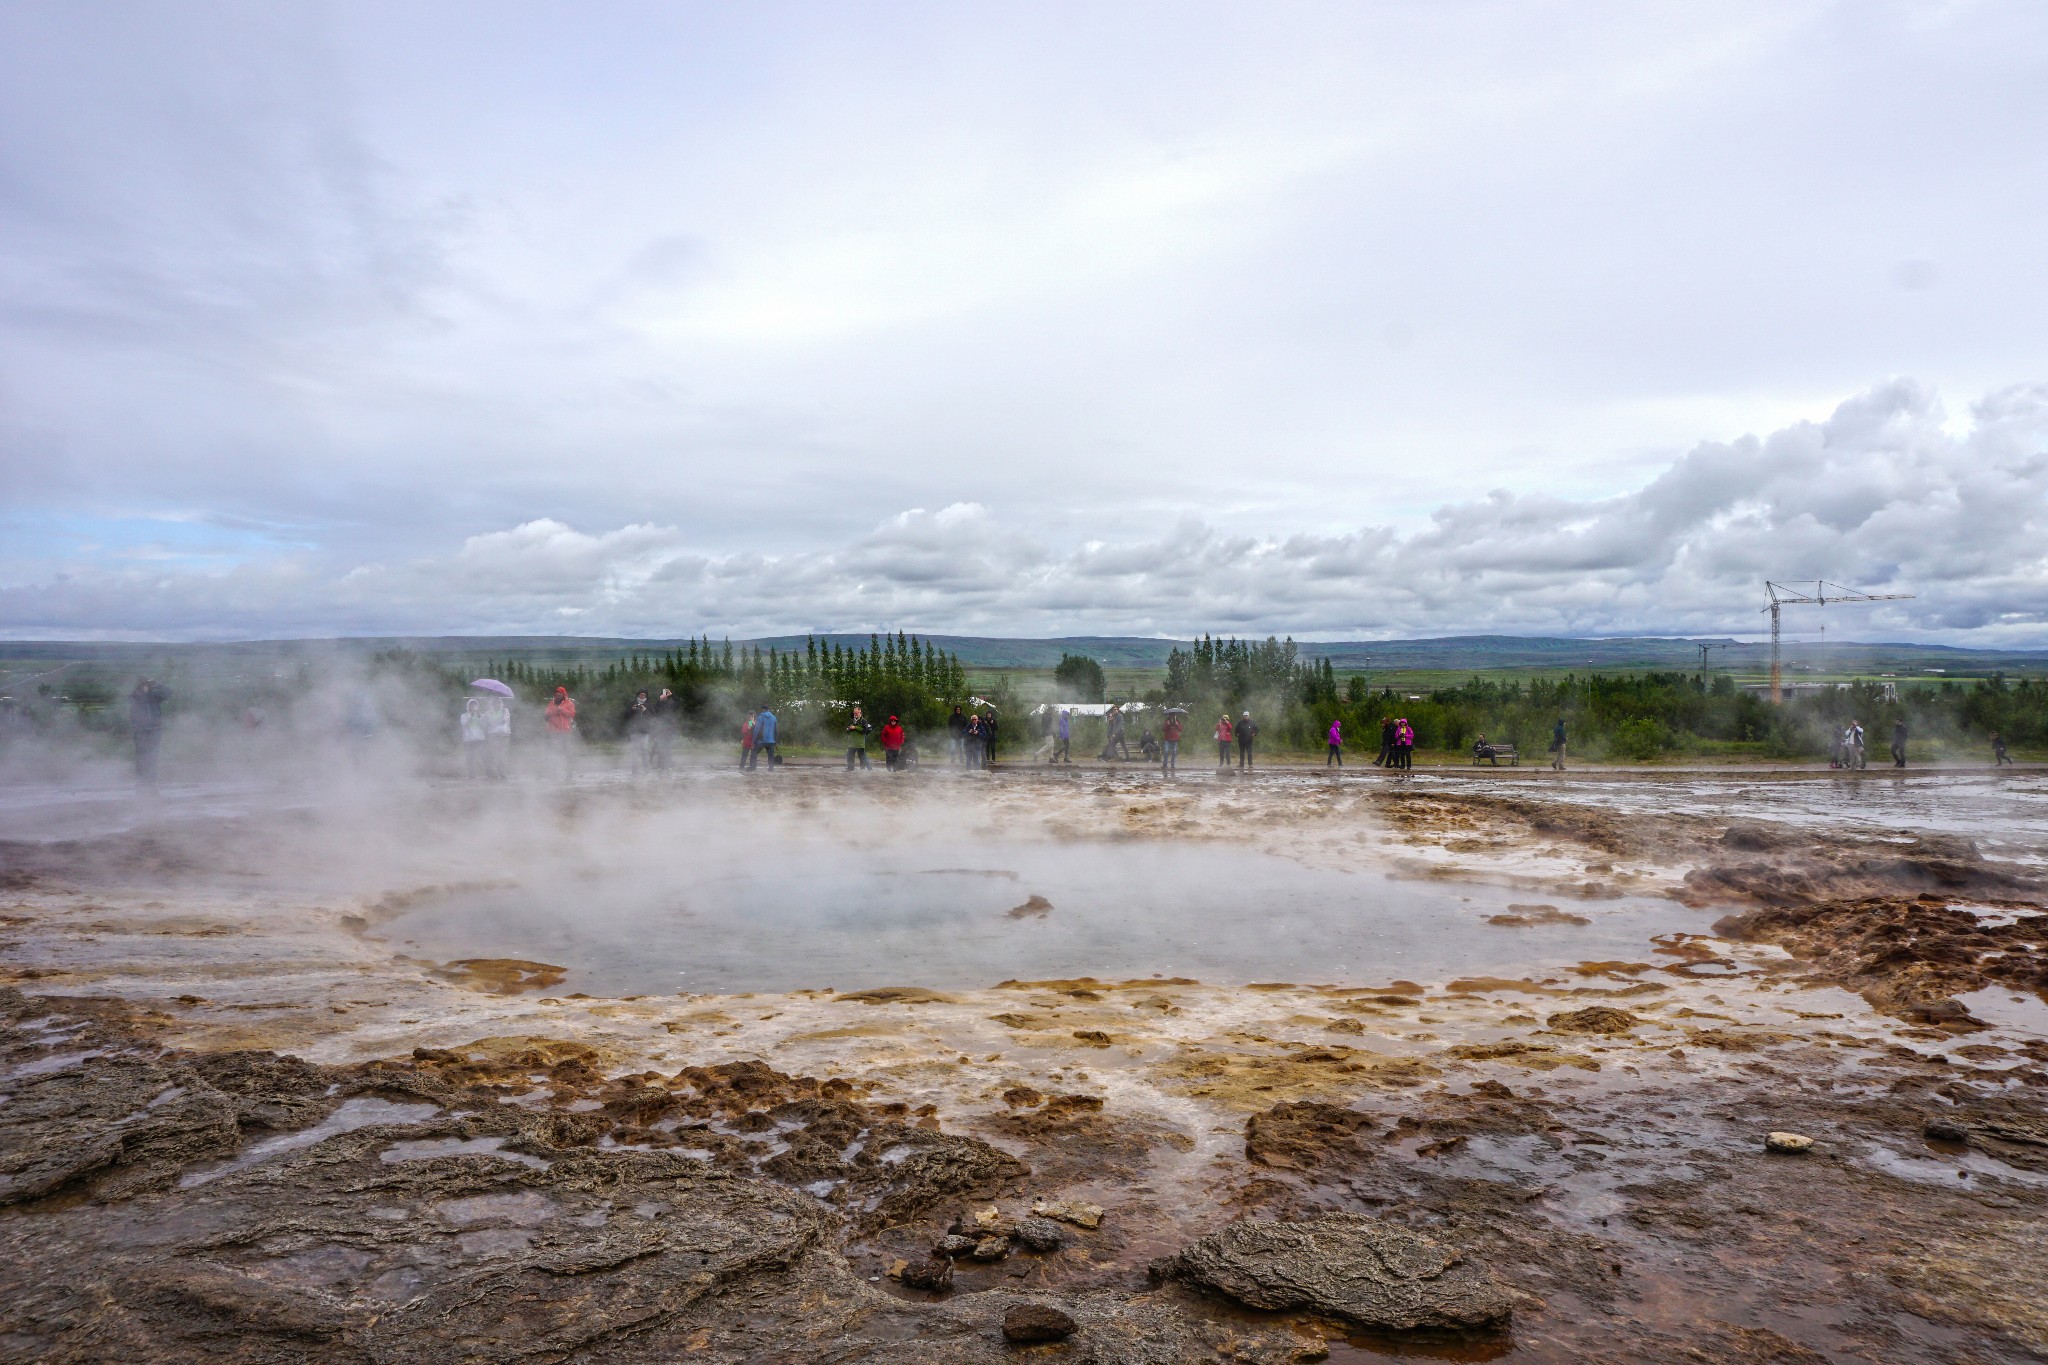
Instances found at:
x=1786 y=595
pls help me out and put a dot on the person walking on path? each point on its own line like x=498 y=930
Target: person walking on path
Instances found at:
x=1225 y=737
x=146 y=726
x=1899 y=742
x=497 y=738
x=1557 y=746
x=1246 y=733
x=662 y=716
x=1336 y=739
x=1857 y=757
x=857 y=729
x=1116 y=743
x=1999 y=757
x=892 y=746
x=474 y=737
x=764 y=739
x=747 y=741
x=561 y=718
x=1064 y=751
x=1386 y=755
x=1169 y=743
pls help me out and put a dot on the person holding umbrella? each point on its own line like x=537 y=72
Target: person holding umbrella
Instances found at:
x=497 y=726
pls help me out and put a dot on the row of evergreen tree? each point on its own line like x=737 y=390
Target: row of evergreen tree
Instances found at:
x=824 y=671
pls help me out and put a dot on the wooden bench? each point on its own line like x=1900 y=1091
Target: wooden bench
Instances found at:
x=1495 y=753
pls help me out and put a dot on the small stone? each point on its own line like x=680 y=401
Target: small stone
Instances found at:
x=1788 y=1143
x=953 y=1244
x=933 y=1273
x=991 y=1249
x=1093 y=1037
x=1034 y=1322
x=1039 y=1234
x=1075 y=1211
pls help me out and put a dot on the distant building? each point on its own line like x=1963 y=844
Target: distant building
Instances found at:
x=1762 y=691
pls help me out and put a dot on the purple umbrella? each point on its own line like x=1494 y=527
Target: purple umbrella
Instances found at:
x=492 y=685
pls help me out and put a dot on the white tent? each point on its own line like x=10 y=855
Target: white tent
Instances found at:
x=1085 y=708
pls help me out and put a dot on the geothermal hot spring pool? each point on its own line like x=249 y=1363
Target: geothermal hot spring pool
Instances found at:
x=796 y=914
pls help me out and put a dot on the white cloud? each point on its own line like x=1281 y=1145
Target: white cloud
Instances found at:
x=1881 y=494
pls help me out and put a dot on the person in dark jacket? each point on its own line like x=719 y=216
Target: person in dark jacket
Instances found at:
x=640 y=731
x=1386 y=743
x=956 y=738
x=1999 y=757
x=1899 y=743
x=988 y=740
x=1557 y=745
x=1246 y=733
x=146 y=726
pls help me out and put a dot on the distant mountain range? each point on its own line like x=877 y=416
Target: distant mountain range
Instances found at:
x=1455 y=653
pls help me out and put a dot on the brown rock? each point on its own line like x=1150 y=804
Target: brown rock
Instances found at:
x=1027 y=1323
x=1597 y=1019
x=1348 y=1266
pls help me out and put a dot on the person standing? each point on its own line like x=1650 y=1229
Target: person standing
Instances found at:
x=1064 y=752
x=497 y=738
x=640 y=731
x=474 y=737
x=1899 y=742
x=747 y=741
x=857 y=741
x=1386 y=754
x=1336 y=739
x=1857 y=756
x=892 y=746
x=1999 y=757
x=146 y=726
x=1169 y=743
x=662 y=729
x=1557 y=746
x=561 y=718
x=1225 y=736
x=764 y=739
x=1404 y=744
x=988 y=740
x=956 y=738
x=1246 y=733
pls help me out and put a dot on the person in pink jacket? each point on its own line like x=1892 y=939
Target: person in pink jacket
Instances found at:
x=1336 y=738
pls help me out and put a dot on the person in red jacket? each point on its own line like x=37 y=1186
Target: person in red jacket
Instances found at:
x=1169 y=749
x=892 y=745
x=561 y=716
x=1226 y=739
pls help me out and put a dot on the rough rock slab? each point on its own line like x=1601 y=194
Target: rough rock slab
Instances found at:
x=1349 y=1266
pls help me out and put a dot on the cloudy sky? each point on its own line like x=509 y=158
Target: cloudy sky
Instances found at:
x=1348 y=320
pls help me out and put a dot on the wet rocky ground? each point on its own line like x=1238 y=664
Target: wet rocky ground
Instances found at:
x=237 y=1125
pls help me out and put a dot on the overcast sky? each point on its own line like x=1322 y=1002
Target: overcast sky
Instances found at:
x=1348 y=320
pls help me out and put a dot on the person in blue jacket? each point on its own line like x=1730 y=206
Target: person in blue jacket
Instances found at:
x=764 y=738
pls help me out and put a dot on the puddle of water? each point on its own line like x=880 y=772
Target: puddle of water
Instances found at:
x=2006 y=814
x=1962 y=1169
x=426 y=1149
x=2002 y=1007
x=812 y=912
x=1992 y=916
x=55 y=1062
x=353 y=1114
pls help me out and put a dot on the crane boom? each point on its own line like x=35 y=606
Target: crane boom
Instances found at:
x=1783 y=595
